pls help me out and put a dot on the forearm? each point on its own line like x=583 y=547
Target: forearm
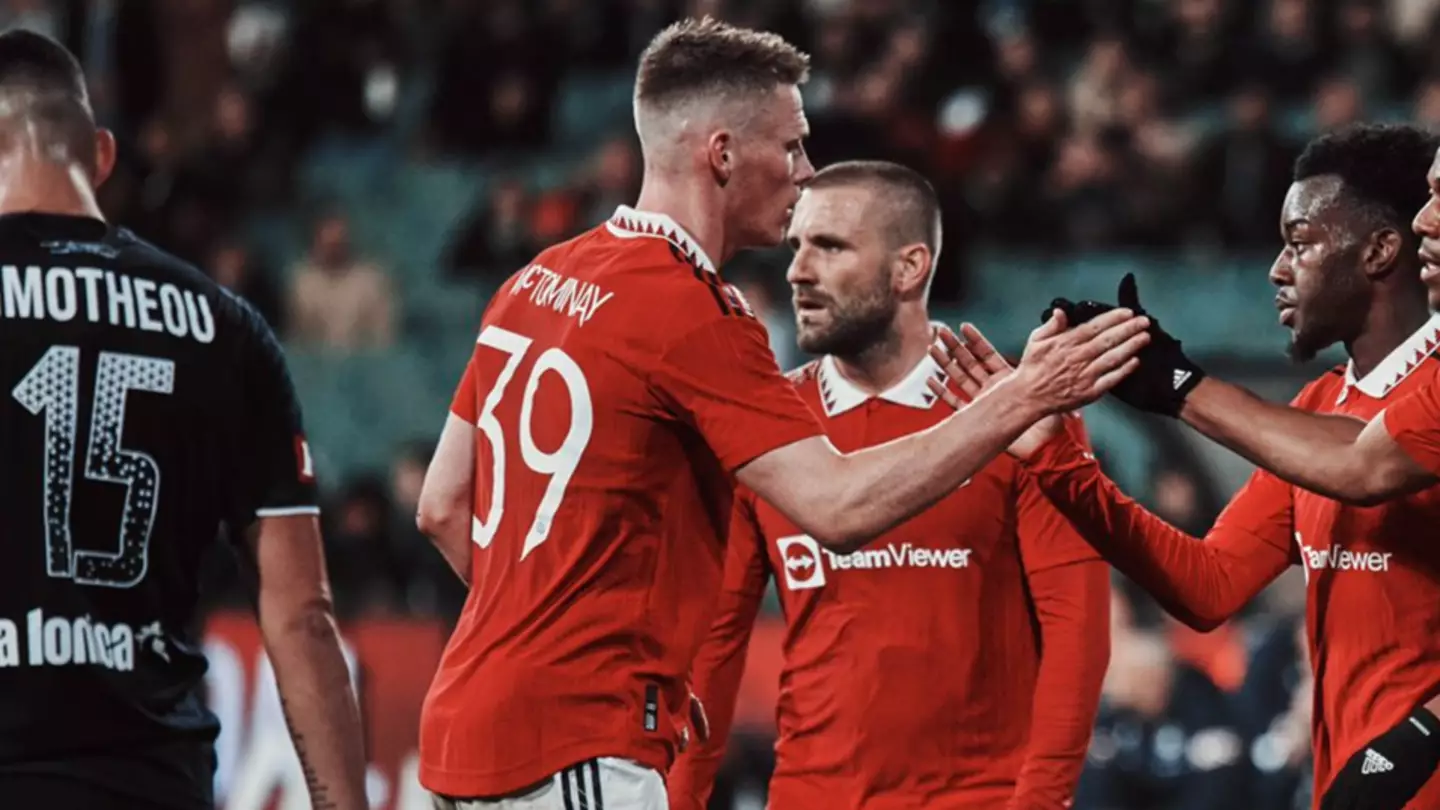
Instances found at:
x=879 y=487
x=1073 y=605
x=1199 y=582
x=1310 y=450
x=319 y=704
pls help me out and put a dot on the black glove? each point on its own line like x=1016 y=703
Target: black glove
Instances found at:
x=1387 y=773
x=1165 y=376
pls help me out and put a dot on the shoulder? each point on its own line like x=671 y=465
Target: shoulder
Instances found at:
x=689 y=281
x=1321 y=392
x=805 y=376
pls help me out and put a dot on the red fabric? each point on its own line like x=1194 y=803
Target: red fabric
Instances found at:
x=912 y=669
x=590 y=598
x=1414 y=424
x=464 y=404
x=1373 y=608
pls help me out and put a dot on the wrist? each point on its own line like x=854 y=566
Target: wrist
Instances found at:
x=1015 y=399
x=1195 y=410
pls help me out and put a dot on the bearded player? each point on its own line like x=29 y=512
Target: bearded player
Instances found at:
x=987 y=603
x=1348 y=274
x=618 y=389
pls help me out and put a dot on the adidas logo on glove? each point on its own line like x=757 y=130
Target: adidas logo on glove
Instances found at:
x=1374 y=763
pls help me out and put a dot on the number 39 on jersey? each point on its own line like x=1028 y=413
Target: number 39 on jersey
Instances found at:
x=557 y=465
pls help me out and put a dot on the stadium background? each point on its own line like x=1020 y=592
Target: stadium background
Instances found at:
x=367 y=172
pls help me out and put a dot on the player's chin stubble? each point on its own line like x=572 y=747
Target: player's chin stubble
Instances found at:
x=850 y=331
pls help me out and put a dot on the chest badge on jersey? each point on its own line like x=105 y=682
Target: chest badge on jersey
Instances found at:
x=800 y=560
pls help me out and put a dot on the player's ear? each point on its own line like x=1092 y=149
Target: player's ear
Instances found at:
x=912 y=270
x=1382 y=251
x=719 y=151
x=105 y=155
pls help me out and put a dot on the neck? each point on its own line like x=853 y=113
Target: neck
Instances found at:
x=1391 y=320
x=885 y=363
x=700 y=214
x=29 y=185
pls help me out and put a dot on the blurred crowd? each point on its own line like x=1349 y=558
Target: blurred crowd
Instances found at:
x=1046 y=124
x=1052 y=125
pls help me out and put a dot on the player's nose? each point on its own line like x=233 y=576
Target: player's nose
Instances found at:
x=1281 y=274
x=1427 y=222
x=804 y=170
x=800 y=273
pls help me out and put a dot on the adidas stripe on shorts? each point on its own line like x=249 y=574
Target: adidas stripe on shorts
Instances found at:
x=606 y=783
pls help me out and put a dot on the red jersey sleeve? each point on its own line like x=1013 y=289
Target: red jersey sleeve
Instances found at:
x=1047 y=540
x=1414 y=424
x=463 y=403
x=720 y=664
x=721 y=377
x=1072 y=604
x=1070 y=587
x=1200 y=583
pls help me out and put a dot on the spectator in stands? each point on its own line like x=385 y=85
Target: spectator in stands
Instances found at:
x=610 y=179
x=430 y=587
x=1177 y=497
x=342 y=54
x=1157 y=155
x=1288 y=52
x=1096 y=87
x=1165 y=739
x=358 y=550
x=1427 y=105
x=1338 y=102
x=1017 y=65
x=496 y=239
x=1197 y=50
x=1275 y=705
x=1241 y=175
x=338 y=300
x=224 y=174
x=234 y=267
x=1084 y=194
x=497 y=82
x=1368 y=55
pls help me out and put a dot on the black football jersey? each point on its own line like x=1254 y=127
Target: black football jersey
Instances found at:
x=142 y=409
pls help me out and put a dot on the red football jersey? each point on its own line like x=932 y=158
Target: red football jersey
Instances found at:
x=912 y=667
x=1373 y=607
x=616 y=384
x=1414 y=421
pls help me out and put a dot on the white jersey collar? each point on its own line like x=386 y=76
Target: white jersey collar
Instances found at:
x=1397 y=365
x=628 y=223
x=840 y=395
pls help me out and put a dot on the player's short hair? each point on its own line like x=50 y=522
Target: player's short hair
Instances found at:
x=695 y=58
x=43 y=87
x=1382 y=168
x=910 y=201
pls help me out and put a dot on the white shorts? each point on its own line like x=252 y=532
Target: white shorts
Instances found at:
x=606 y=783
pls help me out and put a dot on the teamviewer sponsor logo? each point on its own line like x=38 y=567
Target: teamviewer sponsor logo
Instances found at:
x=805 y=562
x=801 y=560
x=1339 y=558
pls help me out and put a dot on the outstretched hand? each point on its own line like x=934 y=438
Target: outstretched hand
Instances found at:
x=975 y=367
x=1165 y=376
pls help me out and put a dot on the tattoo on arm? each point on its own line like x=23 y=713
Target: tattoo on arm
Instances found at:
x=319 y=792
